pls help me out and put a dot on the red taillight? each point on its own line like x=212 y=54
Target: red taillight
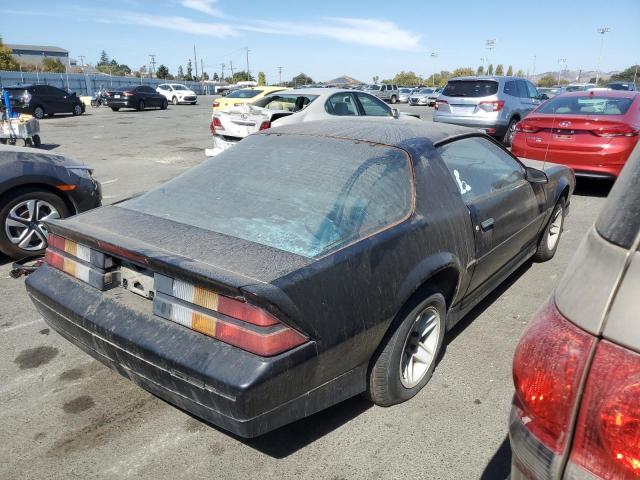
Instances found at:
x=491 y=106
x=216 y=124
x=264 y=125
x=622 y=130
x=128 y=94
x=547 y=370
x=607 y=439
x=438 y=102
x=526 y=127
x=216 y=104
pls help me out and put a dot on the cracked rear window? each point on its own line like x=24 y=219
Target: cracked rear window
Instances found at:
x=301 y=194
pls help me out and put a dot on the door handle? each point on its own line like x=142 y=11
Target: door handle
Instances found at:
x=487 y=224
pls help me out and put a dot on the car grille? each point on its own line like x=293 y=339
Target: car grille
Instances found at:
x=189 y=98
x=413 y=99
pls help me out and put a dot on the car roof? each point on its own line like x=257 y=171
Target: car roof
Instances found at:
x=603 y=93
x=381 y=130
x=495 y=78
x=319 y=91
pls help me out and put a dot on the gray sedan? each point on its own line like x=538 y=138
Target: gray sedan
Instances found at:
x=421 y=96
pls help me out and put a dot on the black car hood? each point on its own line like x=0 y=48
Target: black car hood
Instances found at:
x=223 y=260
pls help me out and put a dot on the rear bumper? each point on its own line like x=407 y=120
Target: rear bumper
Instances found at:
x=240 y=392
x=490 y=126
x=121 y=103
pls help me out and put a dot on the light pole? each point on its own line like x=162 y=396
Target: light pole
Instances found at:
x=601 y=31
x=560 y=62
x=433 y=55
x=491 y=44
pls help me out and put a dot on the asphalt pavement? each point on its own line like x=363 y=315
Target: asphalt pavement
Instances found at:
x=66 y=416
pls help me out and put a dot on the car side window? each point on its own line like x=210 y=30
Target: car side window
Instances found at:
x=533 y=91
x=511 y=89
x=479 y=167
x=523 y=92
x=373 y=106
x=342 y=104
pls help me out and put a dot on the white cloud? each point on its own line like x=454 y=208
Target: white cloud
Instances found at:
x=376 y=33
x=204 y=6
x=182 y=24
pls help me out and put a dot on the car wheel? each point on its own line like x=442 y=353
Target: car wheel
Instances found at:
x=393 y=99
x=174 y=100
x=511 y=131
x=77 y=110
x=36 y=141
x=548 y=243
x=21 y=218
x=38 y=112
x=141 y=105
x=115 y=109
x=164 y=105
x=408 y=355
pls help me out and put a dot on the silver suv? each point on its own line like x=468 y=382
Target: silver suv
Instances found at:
x=386 y=92
x=492 y=104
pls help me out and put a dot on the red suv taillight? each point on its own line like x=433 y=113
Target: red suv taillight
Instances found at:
x=548 y=366
x=491 y=106
x=526 y=127
x=607 y=439
x=216 y=124
x=265 y=125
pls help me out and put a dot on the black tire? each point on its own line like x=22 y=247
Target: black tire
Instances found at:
x=3 y=141
x=77 y=110
x=174 y=100
x=546 y=248
x=115 y=109
x=141 y=105
x=164 y=105
x=193 y=103
x=38 y=112
x=36 y=141
x=394 y=99
x=10 y=200
x=507 y=139
x=28 y=142
x=384 y=383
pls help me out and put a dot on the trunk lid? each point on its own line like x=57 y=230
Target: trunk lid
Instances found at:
x=242 y=121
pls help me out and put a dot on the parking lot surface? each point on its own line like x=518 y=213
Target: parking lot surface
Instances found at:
x=66 y=416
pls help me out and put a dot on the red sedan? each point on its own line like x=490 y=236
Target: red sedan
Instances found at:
x=591 y=132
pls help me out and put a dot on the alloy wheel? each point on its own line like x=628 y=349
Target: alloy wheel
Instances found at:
x=555 y=228
x=24 y=225
x=420 y=347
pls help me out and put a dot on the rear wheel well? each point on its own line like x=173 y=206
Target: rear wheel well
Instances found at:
x=39 y=186
x=445 y=281
x=565 y=193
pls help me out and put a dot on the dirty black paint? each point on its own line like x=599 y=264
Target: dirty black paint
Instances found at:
x=73 y=374
x=477 y=401
x=35 y=357
x=6 y=324
x=79 y=404
x=45 y=331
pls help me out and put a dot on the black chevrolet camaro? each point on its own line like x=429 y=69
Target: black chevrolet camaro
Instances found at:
x=308 y=264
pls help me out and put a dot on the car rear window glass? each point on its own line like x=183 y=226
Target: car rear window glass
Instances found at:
x=292 y=103
x=620 y=86
x=587 y=105
x=304 y=195
x=470 y=88
x=244 y=93
x=619 y=220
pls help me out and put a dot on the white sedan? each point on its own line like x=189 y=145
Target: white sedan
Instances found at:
x=177 y=93
x=292 y=106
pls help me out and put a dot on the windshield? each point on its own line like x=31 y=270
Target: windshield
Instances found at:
x=292 y=103
x=373 y=87
x=575 y=88
x=586 y=105
x=244 y=93
x=619 y=86
x=470 y=88
x=404 y=90
x=426 y=90
x=304 y=195
x=179 y=87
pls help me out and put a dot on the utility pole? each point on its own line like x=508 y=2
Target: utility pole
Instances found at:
x=195 y=61
x=81 y=60
x=601 y=31
x=231 y=68
x=560 y=62
x=222 y=66
x=433 y=55
x=201 y=67
x=533 y=74
x=491 y=44
x=248 y=74
x=280 y=75
x=152 y=62
x=635 y=74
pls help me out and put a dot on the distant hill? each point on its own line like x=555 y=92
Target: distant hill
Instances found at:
x=344 y=80
x=575 y=75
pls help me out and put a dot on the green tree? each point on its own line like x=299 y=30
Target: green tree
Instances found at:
x=480 y=70
x=241 y=76
x=262 y=78
x=376 y=78
x=162 y=71
x=407 y=79
x=216 y=78
x=104 y=58
x=301 y=79
x=189 y=75
x=180 y=75
x=464 y=72
x=520 y=73
x=205 y=76
x=548 y=80
x=7 y=62
x=627 y=75
x=499 y=69
x=490 y=69
x=52 y=65
x=510 y=71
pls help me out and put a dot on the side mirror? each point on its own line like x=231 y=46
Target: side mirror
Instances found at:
x=543 y=97
x=395 y=113
x=533 y=175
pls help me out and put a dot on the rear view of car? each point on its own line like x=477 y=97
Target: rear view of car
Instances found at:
x=43 y=100
x=492 y=104
x=592 y=132
x=576 y=370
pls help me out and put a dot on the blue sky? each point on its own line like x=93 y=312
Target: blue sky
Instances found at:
x=330 y=38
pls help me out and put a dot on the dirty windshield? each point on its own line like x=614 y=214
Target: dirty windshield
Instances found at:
x=306 y=198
